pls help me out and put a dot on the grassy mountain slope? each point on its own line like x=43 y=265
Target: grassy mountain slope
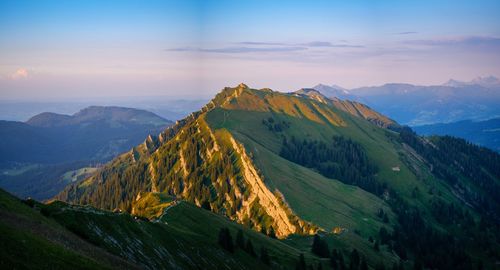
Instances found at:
x=62 y=236
x=32 y=241
x=350 y=175
x=318 y=199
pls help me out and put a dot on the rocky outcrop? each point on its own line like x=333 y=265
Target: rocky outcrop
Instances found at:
x=260 y=191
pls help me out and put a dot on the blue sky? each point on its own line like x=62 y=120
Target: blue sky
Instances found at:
x=74 y=49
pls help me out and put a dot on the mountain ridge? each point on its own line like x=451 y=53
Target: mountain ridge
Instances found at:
x=418 y=105
x=96 y=113
x=487 y=81
x=239 y=98
x=292 y=165
x=485 y=133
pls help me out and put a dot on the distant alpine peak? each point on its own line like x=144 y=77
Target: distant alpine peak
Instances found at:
x=332 y=87
x=454 y=83
x=333 y=91
x=308 y=91
x=487 y=81
x=312 y=93
x=242 y=85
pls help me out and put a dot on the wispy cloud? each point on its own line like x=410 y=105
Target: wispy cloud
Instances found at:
x=184 y=49
x=406 y=33
x=239 y=49
x=460 y=41
x=260 y=46
x=330 y=45
x=258 y=43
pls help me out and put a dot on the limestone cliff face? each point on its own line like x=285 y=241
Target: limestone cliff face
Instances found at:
x=260 y=193
x=211 y=169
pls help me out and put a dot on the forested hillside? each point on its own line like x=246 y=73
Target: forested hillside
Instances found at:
x=38 y=158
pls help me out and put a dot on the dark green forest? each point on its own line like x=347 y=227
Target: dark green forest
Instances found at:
x=340 y=158
x=453 y=160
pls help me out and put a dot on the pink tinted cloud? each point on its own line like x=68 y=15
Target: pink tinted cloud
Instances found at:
x=21 y=73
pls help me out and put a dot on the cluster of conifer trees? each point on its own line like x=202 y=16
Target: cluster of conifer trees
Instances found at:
x=275 y=125
x=412 y=234
x=356 y=261
x=453 y=159
x=474 y=172
x=225 y=240
x=339 y=158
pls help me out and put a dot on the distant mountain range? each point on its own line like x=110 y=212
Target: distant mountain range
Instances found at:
x=414 y=105
x=485 y=133
x=165 y=107
x=488 y=82
x=48 y=145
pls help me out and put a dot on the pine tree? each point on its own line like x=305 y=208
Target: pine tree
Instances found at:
x=401 y=265
x=225 y=240
x=354 y=260
x=206 y=205
x=240 y=239
x=301 y=264
x=386 y=218
x=341 y=261
x=363 y=265
x=334 y=259
x=417 y=265
x=320 y=247
x=249 y=248
x=380 y=213
x=272 y=234
x=380 y=266
x=264 y=257
x=384 y=236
